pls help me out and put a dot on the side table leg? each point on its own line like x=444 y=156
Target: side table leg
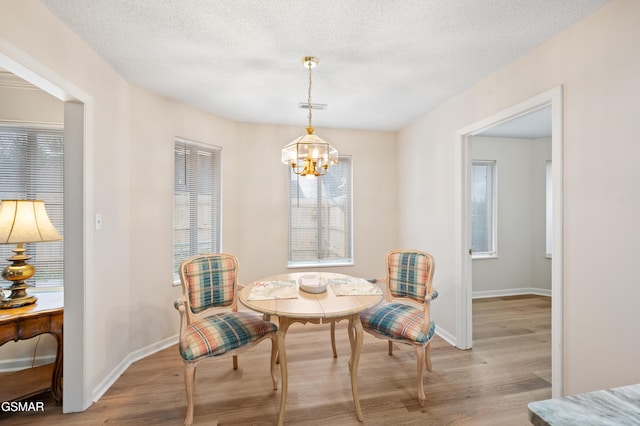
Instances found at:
x=56 y=379
x=356 y=348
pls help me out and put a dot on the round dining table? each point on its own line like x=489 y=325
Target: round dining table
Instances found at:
x=315 y=308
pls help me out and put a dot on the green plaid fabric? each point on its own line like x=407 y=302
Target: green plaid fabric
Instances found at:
x=408 y=275
x=219 y=334
x=397 y=321
x=211 y=281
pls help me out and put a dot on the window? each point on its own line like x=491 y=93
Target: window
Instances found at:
x=32 y=168
x=196 y=201
x=483 y=209
x=549 y=210
x=320 y=217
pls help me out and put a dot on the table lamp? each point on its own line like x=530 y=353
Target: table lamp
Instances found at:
x=21 y=222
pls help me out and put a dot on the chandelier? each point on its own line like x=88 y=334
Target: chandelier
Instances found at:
x=309 y=154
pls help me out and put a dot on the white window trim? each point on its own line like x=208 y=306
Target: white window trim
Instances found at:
x=549 y=211
x=493 y=253
x=204 y=146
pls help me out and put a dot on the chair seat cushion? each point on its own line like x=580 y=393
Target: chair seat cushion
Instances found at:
x=221 y=333
x=398 y=321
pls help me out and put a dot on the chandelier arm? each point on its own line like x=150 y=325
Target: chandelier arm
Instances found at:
x=295 y=167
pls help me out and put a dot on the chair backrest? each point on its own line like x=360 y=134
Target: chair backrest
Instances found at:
x=209 y=281
x=409 y=274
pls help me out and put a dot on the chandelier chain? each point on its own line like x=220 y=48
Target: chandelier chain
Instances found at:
x=309 y=94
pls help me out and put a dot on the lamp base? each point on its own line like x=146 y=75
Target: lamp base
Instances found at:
x=16 y=303
x=17 y=273
x=18 y=297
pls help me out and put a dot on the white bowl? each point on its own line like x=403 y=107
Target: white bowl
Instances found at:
x=312 y=284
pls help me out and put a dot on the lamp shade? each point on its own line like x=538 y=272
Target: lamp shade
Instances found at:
x=25 y=221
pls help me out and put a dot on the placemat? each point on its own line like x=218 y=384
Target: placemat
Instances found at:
x=269 y=290
x=353 y=287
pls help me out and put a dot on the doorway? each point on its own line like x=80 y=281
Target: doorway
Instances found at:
x=464 y=328
x=78 y=207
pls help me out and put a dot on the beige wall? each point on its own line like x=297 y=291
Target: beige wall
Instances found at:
x=259 y=215
x=33 y=41
x=597 y=63
x=23 y=104
x=521 y=266
x=130 y=134
x=255 y=209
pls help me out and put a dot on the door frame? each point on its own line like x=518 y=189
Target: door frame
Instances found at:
x=464 y=327
x=78 y=223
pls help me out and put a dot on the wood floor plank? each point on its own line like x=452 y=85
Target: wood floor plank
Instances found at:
x=508 y=367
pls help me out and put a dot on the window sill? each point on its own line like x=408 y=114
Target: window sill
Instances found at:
x=36 y=290
x=483 y=256
x=299 y=265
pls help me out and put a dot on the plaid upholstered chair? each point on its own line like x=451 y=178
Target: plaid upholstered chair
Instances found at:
x=408 y=279
x=210 y=324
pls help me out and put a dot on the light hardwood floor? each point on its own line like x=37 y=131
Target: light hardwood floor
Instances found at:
x=509 y=366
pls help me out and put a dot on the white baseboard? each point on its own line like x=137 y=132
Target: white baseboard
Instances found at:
x=17 y=364
x=108 y=381
x=511 y=292
x=447 y=337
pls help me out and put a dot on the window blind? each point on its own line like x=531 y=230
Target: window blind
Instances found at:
x=196 y=201
x=483 y=207
x=32 y=168
x=320 y=217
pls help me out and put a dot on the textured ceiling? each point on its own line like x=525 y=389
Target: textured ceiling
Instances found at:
x=382 y=63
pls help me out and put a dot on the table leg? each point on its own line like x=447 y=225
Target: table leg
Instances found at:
x=356 y=347
x=283 y=326
x=56 y=380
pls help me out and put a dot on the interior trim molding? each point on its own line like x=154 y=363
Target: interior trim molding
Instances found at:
x=446 y=336
x=511 y=292
x=463 y=263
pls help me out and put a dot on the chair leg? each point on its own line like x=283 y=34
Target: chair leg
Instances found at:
x=274 y=357
x=427 y=358
x=390 y=347
x=189 y=384
x=420 y=353
x=333 y=339
x=235 y=362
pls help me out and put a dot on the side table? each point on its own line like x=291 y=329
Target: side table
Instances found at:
x=44 y=316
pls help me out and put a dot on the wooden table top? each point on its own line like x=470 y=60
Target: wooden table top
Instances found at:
x=47 y=301
x=309 y=305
